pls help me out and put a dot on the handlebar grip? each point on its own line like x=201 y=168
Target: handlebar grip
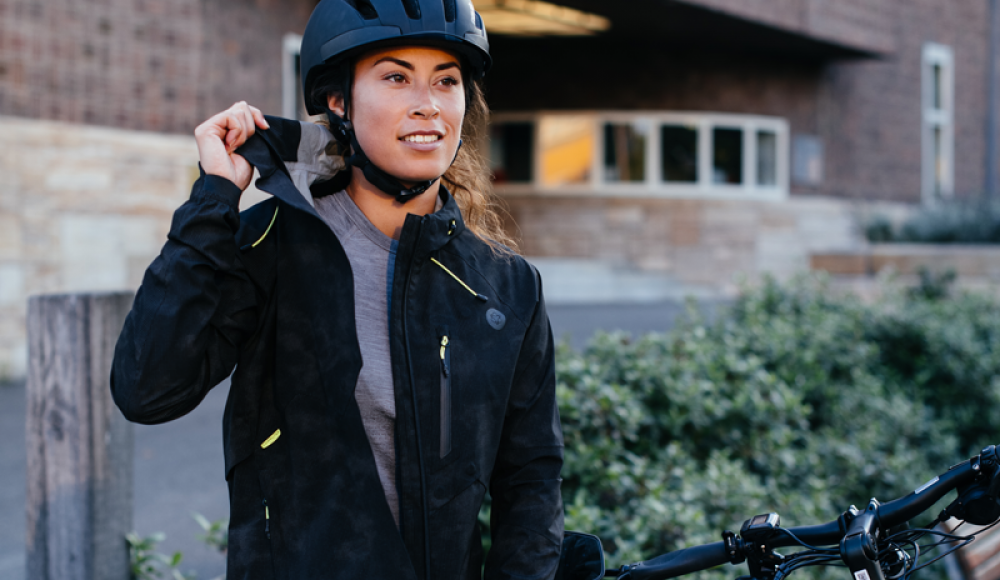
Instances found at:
x=680 y=562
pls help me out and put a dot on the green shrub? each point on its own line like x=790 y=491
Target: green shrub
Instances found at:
x=954 y=221
x=795 y=400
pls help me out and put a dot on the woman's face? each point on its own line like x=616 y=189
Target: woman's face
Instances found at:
x=407 y=106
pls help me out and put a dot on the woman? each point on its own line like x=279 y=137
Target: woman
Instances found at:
x=392 y=359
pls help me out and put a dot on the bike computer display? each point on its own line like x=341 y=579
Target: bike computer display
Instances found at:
x=760 y=527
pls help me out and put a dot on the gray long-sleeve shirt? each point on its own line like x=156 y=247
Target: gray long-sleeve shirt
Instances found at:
x=372 y=255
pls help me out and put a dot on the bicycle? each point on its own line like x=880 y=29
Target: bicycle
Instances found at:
x=875 y=543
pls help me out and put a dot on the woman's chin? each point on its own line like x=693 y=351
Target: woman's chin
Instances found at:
x=411 y=178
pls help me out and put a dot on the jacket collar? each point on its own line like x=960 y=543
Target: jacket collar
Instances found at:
x=443 y=225
x=268 y=150
x=271 y=151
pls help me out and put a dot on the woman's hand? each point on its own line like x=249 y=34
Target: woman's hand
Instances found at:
x=222 y=134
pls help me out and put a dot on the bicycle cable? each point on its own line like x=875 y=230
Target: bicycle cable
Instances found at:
x=789 y=533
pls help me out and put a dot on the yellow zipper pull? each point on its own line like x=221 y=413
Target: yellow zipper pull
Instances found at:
x=267 y=520
x=444 y=356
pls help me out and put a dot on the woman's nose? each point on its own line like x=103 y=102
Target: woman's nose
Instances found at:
x=424 y=104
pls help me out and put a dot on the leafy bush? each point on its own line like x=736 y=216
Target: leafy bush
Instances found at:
x=796 y=400
x=149 y=564
x=959 y=221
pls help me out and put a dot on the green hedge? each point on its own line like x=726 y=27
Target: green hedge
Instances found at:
x=961 y=221
x=794 y=400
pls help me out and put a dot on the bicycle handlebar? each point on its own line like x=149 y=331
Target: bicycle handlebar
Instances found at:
x=893 y=513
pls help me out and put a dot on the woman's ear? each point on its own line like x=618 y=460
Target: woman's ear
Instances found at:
x=336 y=103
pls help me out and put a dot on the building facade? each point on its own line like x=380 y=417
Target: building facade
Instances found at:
x=645 y=149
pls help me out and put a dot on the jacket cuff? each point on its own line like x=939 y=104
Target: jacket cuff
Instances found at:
x=216 y=188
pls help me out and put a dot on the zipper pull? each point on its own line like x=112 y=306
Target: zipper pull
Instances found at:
x=267 y=520
x=444 y=359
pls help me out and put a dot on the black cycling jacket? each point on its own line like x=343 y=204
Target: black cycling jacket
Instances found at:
x=269 y=292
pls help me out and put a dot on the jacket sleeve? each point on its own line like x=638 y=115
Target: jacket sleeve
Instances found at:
x=195 y=307
x=527 y=513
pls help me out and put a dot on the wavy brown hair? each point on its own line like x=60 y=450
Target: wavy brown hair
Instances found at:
x=468 y=178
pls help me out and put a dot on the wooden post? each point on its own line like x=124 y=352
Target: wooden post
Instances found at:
x=79 y=496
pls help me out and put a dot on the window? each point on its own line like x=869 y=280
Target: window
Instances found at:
x=938 y=137
x=640 y=153
x=625 y=151
x=511 y=151
x=807 y=160
x=292 y=104
x=727 y=155
x=767 y=158
x=566 y=145
x=679 y=153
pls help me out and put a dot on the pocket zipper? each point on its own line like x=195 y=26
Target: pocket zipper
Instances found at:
x=267 y=520
x=445 y=396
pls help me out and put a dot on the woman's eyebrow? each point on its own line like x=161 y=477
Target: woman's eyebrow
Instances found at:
x=401 y=63
x=408 y=66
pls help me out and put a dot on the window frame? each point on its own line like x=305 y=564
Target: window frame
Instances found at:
x=291 y=91
x=940 y=55
x=653 y=185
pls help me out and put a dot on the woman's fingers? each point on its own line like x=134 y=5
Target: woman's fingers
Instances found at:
x=222 y=134
x=236 y=123
x=259 y=118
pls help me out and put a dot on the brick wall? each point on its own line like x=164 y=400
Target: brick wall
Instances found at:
x=152 y=65
x=871 y=110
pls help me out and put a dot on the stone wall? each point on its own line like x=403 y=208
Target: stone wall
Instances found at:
x=606 y=249
x=82 y=209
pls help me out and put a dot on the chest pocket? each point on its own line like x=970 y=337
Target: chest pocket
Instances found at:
x=446 y=393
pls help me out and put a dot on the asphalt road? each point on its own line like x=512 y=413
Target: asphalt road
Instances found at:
x=179 y=466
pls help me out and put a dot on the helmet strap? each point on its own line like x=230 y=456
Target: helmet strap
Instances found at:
x=343 y=132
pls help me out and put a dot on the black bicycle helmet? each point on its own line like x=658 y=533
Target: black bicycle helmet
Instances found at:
x=340 y=29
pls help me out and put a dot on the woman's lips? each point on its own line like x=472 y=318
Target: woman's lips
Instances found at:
x=423 y=141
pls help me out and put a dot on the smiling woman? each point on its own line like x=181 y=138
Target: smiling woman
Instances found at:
x=466 y=172
x=393 y=360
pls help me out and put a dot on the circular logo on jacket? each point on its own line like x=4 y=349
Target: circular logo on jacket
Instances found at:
x=495 y=318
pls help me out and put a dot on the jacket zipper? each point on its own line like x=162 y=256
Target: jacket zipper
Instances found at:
x=267 y=520
x=445 y=353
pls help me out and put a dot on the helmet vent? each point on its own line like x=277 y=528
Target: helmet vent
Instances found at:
x=364 y=8
x=412 y=8
x=450 y=11
x=479 y=21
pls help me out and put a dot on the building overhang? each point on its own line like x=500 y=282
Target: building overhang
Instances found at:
x=671 y=26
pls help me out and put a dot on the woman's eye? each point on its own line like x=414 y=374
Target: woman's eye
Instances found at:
x=395 y=77
x=450 y=81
